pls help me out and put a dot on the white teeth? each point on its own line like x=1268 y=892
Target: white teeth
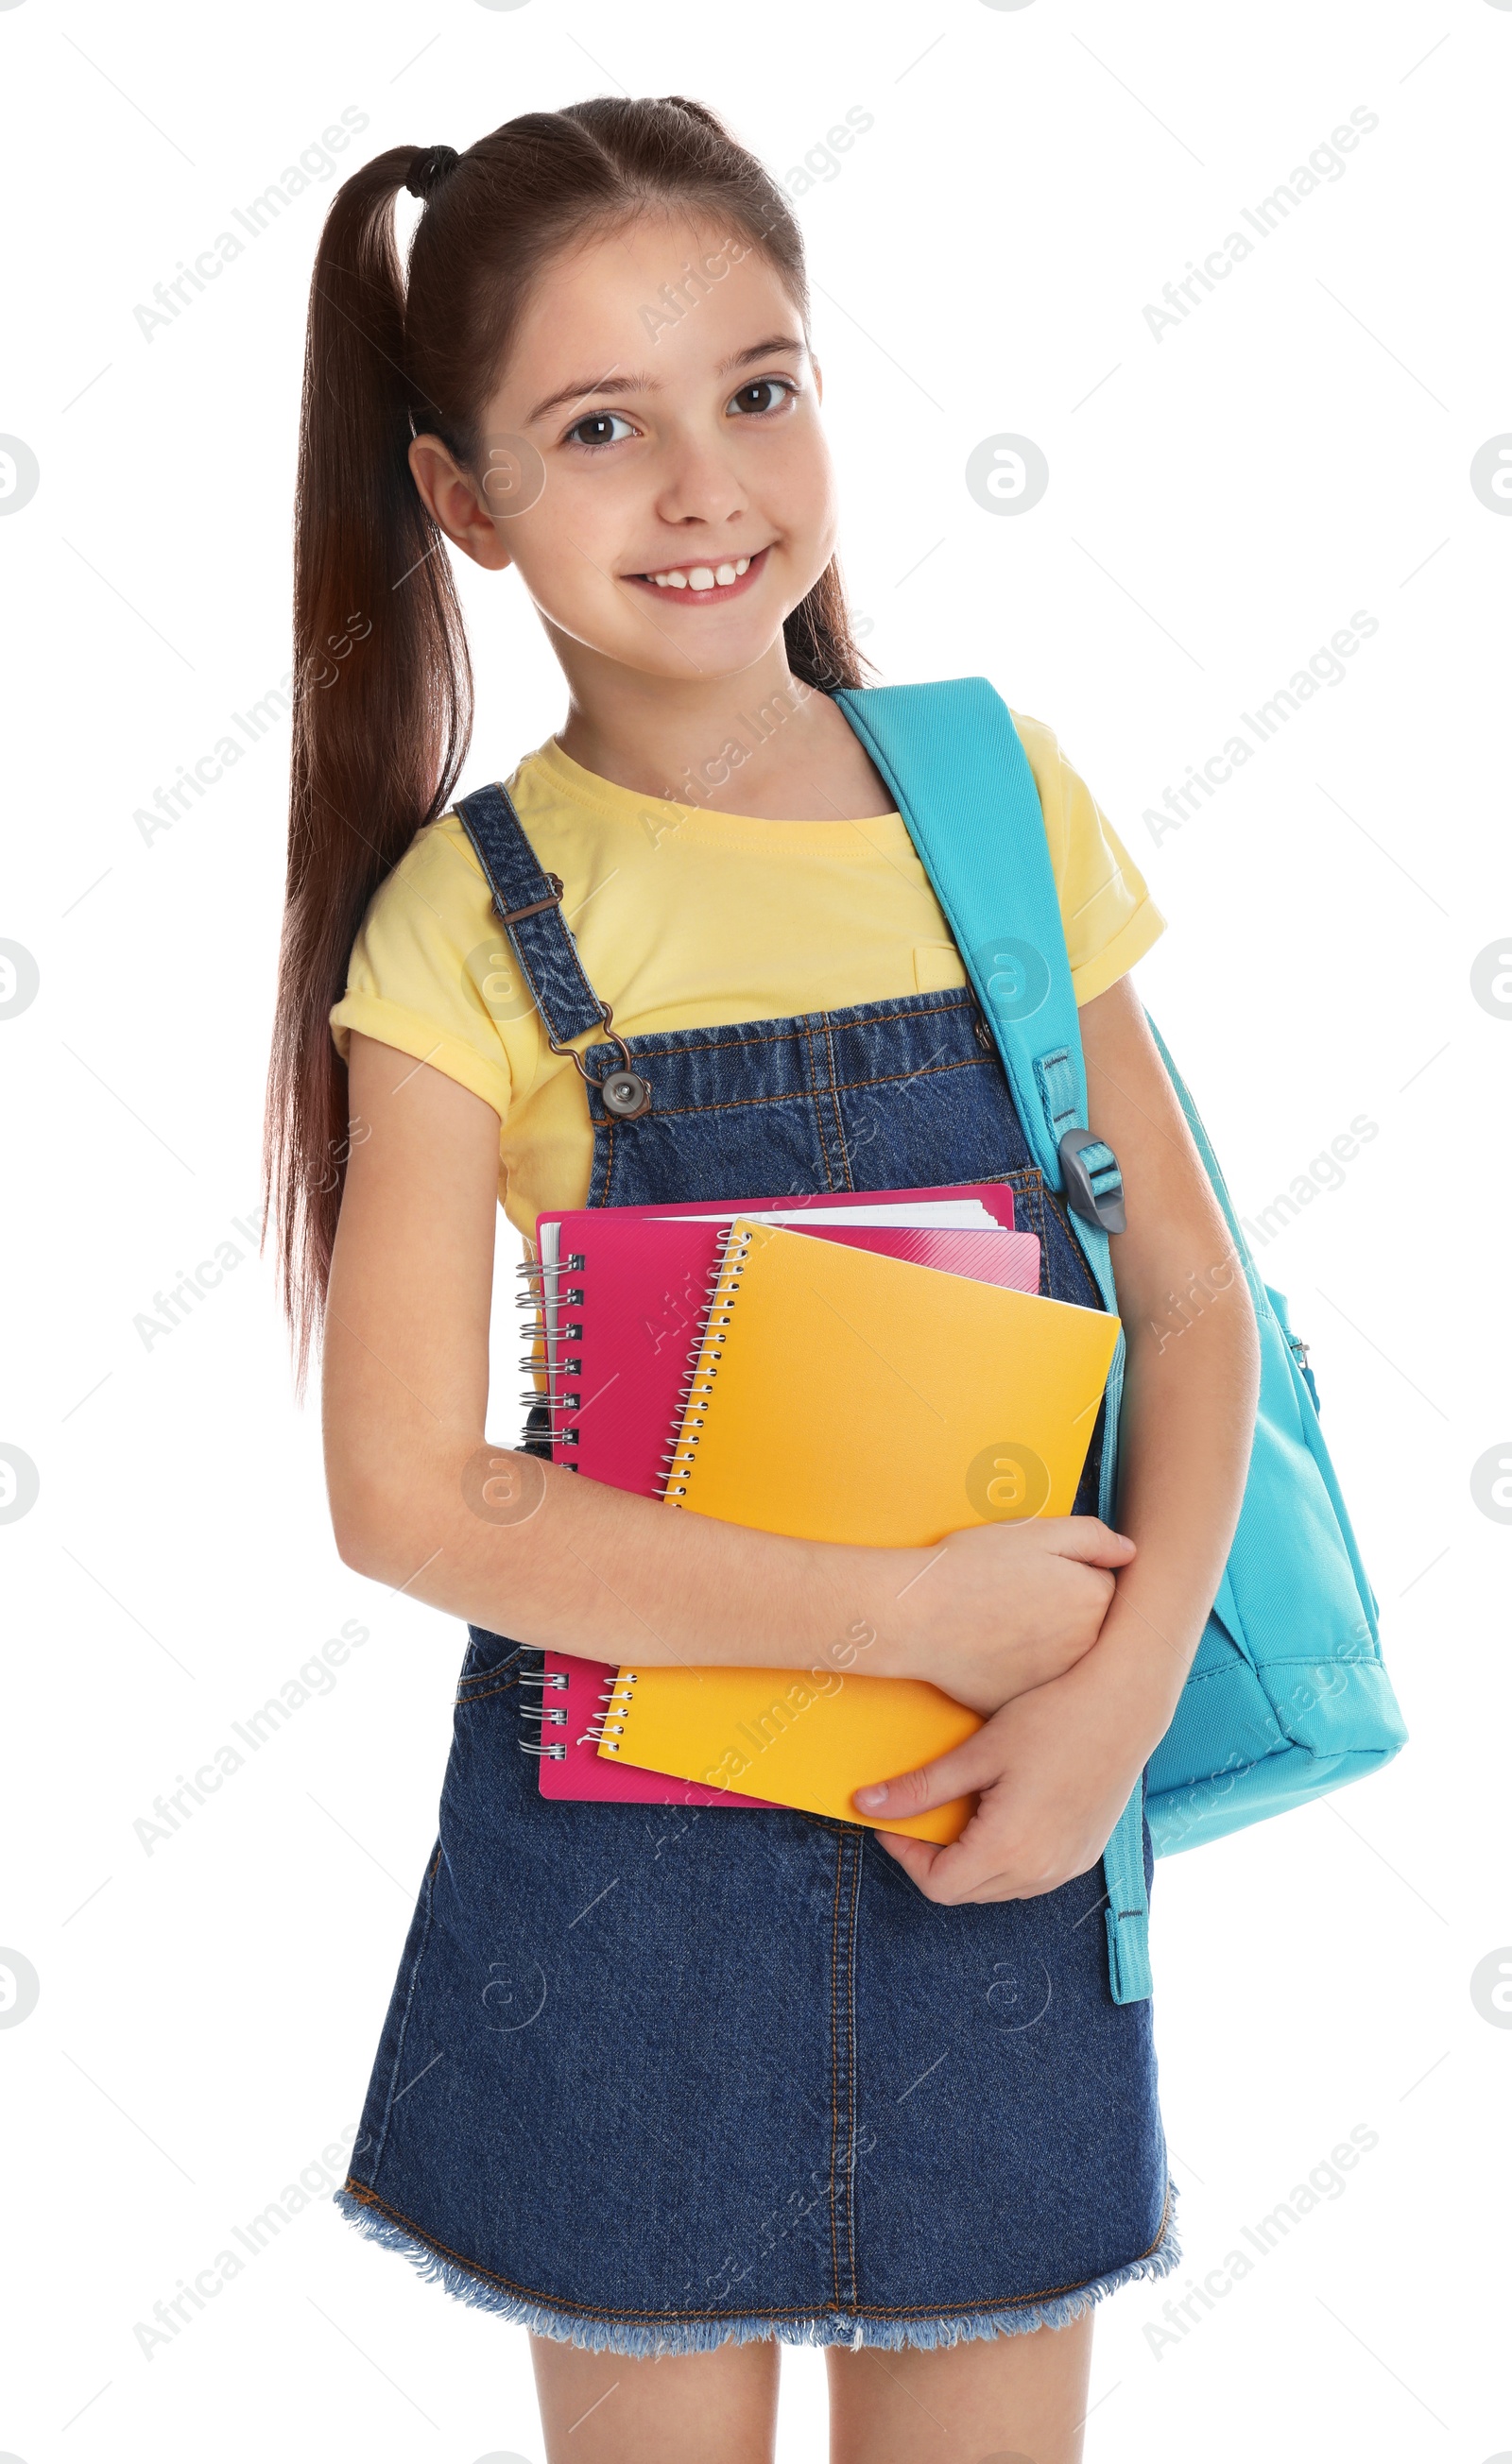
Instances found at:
x=699 y=577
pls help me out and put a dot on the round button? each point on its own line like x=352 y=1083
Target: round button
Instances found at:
x=626 y=1094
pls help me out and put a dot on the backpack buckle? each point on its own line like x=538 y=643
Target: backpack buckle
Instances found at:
x=1094 y=1185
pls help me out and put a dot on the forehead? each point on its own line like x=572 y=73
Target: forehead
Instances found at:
x=669 y=298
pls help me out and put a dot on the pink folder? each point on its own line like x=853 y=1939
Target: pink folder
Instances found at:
x=629 y=1307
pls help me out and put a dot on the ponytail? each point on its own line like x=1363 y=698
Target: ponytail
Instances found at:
x=381 y=700
x=383 y=689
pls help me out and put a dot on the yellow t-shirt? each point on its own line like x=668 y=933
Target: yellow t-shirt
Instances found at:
x=685 y=917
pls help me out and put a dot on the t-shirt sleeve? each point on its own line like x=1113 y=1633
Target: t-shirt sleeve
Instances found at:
x=425 y=969
x=1109 y=916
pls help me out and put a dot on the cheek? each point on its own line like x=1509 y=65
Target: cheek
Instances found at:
x=793 y=486
x=573 y=543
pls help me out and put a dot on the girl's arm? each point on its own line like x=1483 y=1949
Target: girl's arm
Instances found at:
x=552 y=1559
x=1057 y=1765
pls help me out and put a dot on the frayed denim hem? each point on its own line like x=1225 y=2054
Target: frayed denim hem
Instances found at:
x=830 y=2326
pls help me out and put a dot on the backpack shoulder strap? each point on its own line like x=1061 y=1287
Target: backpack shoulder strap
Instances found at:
x=954 y=760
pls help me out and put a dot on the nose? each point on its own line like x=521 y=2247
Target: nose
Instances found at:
x=698 y=485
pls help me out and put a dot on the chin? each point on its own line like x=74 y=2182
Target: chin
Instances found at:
x=720 y=651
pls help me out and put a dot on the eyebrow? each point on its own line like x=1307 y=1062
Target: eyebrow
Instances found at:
x=589 y=389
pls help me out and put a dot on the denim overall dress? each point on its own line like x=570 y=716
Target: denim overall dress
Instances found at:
x=654 y=2077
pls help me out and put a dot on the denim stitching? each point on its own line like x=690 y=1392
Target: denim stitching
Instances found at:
x=805 y=1094
x=369 y=2198
x=849 y=2152
x=835 y=2109
x=835 y=1103
x=811 y=1097
x=736 y=1040
x=464 y=1697
x=1036 y=1199
x=409 y=2004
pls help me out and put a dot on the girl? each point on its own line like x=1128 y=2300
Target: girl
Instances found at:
x=670 y=2089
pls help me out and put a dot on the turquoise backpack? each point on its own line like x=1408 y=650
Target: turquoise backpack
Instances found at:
x=1287 y=1696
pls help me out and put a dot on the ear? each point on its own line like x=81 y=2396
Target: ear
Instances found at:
x=451 y=498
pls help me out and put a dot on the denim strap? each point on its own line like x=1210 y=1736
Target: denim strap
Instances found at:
x=541 y=942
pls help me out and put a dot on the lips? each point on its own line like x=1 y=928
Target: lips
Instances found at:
x=699 y=583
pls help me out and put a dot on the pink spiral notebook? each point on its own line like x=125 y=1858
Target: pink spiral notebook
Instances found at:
x=625 y=1292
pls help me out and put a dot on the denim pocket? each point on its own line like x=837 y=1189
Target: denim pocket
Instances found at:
x=488 y=1656
x=896 y=1875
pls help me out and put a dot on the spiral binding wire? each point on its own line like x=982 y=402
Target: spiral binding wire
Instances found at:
x=605 y=1720
x=606 y=1723
x=551 y=1681
x=544 y=1289
x=703 y=1360
x=614 y=1698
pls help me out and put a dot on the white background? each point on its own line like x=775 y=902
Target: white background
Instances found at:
x=1221 y=501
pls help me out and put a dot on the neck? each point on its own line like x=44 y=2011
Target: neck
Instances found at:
x=729 y=742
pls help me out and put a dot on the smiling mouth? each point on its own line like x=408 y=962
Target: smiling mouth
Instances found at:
x=701 y=585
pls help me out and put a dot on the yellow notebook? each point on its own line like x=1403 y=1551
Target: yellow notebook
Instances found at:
x=839 y=1395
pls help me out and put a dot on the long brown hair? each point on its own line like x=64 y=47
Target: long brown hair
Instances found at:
x=383 y=683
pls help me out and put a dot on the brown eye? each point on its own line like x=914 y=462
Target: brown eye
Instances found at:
x=599 y=428
x=763 y=395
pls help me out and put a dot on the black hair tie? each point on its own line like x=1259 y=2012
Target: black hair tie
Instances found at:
x=431 y=168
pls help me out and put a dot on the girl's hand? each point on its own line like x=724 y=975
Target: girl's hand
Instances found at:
x=1002 y=1607
x=1055 y=1768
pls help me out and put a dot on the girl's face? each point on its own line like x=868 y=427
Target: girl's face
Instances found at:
x=652 y=459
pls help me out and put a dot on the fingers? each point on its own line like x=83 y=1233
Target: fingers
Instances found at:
x=950 y=1775
x=1083 y=1537
x=969 y=1873
x=971 y=1869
